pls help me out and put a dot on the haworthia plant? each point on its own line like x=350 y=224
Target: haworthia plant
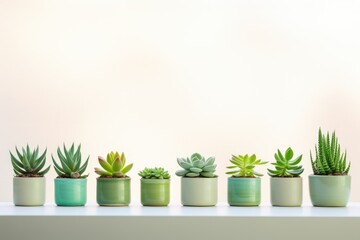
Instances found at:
x=196 y=166
x=285 y=165
x=114 y=165
x=70 y=163
x=329 y=160
x=29 y=163
x=246 y=166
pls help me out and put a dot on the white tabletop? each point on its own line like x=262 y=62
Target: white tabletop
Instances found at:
x=176 y=210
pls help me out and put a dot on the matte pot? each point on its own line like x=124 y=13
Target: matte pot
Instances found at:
x=244 y=191
x=155 y=192
x=199 y=191
x=29 y=191
x=329 y=191
x=113 y=191
x=286 y=191
x=70 y=191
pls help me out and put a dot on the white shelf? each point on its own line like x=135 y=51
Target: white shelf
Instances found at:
x=178 y=222
x=221 y=210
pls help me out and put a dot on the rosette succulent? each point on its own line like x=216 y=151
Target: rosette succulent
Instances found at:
x=154 y=173
x=246 y=165
x=285 y=166
x=196 y=166
x=70 y=163
x=29 y=163
x=113 y=166
x=329 y=160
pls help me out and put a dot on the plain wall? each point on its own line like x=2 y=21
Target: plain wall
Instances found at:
x=162 y=79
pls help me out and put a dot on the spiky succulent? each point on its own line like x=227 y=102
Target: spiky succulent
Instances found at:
x=113 y=166
x=246 y=165
x=196 y=166
x=285 y=166
x=70 y=163
x=329 y=158
x=29 y=163
x=154 y=173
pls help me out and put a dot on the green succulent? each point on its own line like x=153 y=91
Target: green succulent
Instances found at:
x=154 y=173
x=113 y=166
x=70 y=163
x=29 y=163
x=285 y=166
x=329 y=159
x=196 y=166
x=246 y=165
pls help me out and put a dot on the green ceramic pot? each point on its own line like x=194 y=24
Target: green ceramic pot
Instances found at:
x=155 y=192
x=329 y=191
x=199 y=191
x=29 y=191
x=286 y=191
x=113 y=191
x=70 y=191
x=244 y=191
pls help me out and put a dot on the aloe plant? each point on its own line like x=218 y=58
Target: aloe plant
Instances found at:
x=246 y=165
x=70 y=163
x=154 y=173
x=329 y=160
x=114 y=165
x=29 y=163
x=285 y=165
x=196 y=166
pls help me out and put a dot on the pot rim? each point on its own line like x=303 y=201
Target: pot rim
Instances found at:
x=113 y=179
x=70 y=179
x=327 y=176
x=154 y=180
x=28 y=177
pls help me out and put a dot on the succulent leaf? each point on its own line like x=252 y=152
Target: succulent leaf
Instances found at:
x=114 y=165
x=196 y=166
x=246 y=165
x=286 y=166
x=154 y=173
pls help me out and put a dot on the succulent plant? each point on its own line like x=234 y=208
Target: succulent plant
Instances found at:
x=113 y=166
x=196 y=166
x=246 y=165
x=29 y=164
x=154 y=173
x=285 y=166
x=329 y=160
x=70 y=163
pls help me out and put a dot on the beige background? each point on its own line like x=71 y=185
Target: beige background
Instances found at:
x=162 y=79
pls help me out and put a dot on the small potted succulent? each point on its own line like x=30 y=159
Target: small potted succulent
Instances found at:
x=113 y=185
x=29 y=181
x=330 y=184
x=198 y=181
x=285 y=182
x=244 y=186
x=155 y=187
x=70 y=185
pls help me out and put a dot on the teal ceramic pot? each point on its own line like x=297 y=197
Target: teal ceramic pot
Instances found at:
x=286 y=191
x=113 y=191
x=70 y=191
x=29 y=191
x=329 y=191
x=244 y=191
x=199 y=191
x=155 y=192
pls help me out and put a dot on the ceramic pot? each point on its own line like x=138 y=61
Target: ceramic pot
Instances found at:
x=29 y=191
x=70 y=191
x=113 y=191
x=244 y=191
x=329 y=191
x=155 y=192
x=286 y=191
x=199 y=191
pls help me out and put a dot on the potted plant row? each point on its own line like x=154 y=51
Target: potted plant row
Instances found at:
x=329 y=185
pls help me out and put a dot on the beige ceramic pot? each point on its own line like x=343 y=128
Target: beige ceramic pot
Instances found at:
x=286 y=192
x=29 y=191
x=199 y=191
